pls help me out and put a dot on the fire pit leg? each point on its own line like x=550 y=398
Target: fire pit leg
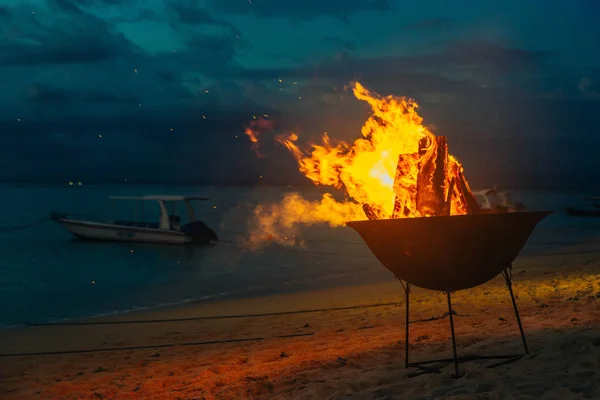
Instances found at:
x=507 y=274
x=406 y=286
x=450 y=312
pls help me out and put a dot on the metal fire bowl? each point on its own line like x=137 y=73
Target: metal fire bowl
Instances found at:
x=448 y=253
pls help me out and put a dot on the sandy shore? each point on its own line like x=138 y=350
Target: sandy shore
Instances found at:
x=355 y=353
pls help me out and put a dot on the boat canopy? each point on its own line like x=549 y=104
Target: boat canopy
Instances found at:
x=165 y=219
x=159 y=198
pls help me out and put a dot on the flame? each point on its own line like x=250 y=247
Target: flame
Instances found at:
x=253 y=131
x=380 y=170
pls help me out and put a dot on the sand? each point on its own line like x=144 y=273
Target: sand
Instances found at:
x=354 y=353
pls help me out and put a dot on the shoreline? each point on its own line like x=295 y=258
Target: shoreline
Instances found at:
x=374 y=275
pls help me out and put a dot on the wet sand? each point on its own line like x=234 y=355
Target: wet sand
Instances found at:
x=352 y=353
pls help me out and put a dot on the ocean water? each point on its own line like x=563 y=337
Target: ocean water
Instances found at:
x=47 y=275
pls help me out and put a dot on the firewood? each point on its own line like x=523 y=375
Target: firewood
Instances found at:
x=426 y=199
x=447 y=209
x=465 y=191
x=402 y=170
x=440 y=175
x=369 y=212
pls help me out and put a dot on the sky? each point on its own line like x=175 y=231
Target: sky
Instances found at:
x=162 y=89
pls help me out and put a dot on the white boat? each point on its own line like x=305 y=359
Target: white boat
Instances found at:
x=168 y=229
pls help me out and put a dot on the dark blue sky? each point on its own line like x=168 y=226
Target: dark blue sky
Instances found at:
x=168 y=85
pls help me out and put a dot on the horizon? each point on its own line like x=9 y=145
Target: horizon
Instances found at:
x=260 y=183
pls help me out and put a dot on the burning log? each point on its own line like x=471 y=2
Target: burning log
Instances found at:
x=405 y=162
x=465 y=192
x=440 y=175
x=432 y=178
x=448 y=202
x=438 y=181
x=370 y=212
x=426 y=201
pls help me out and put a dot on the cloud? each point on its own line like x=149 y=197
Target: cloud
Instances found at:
x=298 y=9
x=72 y=50
x=584 y=84
x=429 y=24
x=339 y=43
x=86 y=57
x=77 y=6
x=458 y=67
x=38 y=39
x=188 y=12
x=588 y=86
x=41 y=94
x=491 y=55
x=4 y=13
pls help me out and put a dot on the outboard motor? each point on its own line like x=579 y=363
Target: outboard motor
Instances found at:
x=199 y=232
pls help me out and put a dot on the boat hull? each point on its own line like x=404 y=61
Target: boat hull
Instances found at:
x=576 y=212
x=111 y=232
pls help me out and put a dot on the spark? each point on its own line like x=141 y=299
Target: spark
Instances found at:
x=100 y=136
x=135 y=70
x=204 y=117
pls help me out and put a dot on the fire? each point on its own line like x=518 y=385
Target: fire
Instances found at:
x=253 y=131
x=379 y=172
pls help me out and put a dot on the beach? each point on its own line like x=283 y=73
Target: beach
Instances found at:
x=348 y=353
x=321 y=319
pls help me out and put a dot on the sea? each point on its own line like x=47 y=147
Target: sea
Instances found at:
x=47 y=275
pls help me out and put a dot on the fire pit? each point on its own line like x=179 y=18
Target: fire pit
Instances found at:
x=450 y=253
x=424 y=224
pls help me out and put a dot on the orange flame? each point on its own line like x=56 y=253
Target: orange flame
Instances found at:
x=253 y=131
x=368 y=170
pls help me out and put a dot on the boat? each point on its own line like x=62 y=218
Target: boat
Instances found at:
x=579 y=212
x=167 y=230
